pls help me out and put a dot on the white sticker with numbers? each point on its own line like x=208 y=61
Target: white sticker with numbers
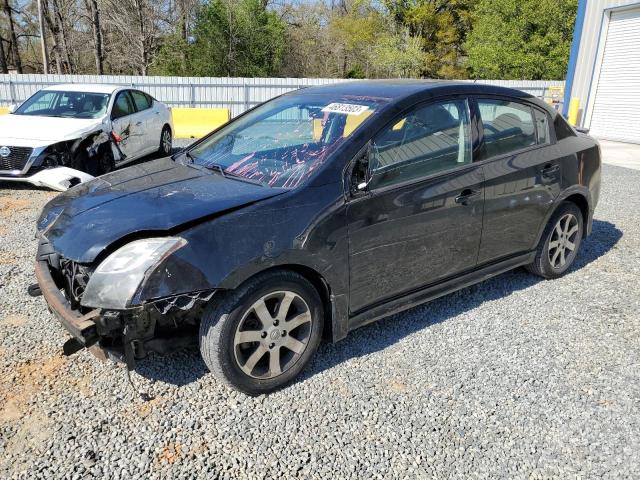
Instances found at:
x=346 y=108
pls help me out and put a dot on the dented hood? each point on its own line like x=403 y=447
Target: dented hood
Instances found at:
x=154 y=198
x=34 y=131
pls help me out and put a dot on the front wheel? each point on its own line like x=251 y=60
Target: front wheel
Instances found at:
x=259 y=337
x=560 y=242
x=166 y=142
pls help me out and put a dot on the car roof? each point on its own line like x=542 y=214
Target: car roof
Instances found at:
x=398 y=89
x=85 y=87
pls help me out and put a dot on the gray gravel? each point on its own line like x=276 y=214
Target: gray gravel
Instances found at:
x=515 y=377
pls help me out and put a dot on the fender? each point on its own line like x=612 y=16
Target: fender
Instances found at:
x=573 y=190
x=178 y=275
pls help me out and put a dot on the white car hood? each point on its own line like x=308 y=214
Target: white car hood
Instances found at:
x=33 y=131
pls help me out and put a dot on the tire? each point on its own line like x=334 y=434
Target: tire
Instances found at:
x=105 y=160
x=249 y=345
x=166 y=142
x=554 y=255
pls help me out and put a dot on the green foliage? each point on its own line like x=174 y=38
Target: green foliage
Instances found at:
x=516 y=39
x=441 y=27
x=173 y=57
x=231 y=38
x=356 y=72
x=399 y=56
x=511 y=39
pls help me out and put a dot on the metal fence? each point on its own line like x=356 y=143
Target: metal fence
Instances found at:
x=236 y=94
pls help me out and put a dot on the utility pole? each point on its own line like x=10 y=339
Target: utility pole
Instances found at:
x=43 y=39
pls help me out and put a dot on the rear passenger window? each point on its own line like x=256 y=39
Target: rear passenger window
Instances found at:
x=508 y=126
x=542 y=126
x=431 y=139
x=142 y=101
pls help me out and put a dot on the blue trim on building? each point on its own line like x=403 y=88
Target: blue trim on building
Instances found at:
x=573 y=57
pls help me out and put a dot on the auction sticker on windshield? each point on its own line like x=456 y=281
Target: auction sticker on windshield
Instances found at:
x=348 y=108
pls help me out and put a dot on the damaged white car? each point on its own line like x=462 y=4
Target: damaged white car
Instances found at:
x=67 y=134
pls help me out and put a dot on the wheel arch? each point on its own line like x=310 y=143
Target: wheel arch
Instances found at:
x=323 y=288
x=579 y=196
x=583 y=204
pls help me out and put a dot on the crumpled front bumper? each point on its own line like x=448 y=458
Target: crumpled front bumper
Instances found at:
x=55 y=178
x=81 y=327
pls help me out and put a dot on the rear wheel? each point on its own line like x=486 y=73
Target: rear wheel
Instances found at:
x=560 y=242
x=259 y=338
x=166 y=141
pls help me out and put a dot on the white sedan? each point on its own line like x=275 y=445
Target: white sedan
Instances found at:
x=67 y=134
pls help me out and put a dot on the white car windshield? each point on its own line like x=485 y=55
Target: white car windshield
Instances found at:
x=50 y=103
x=284 y=141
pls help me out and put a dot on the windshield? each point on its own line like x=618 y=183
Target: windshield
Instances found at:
x=282 y=142
x=49 y=103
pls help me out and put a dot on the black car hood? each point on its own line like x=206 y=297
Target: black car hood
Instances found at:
x=152 y=198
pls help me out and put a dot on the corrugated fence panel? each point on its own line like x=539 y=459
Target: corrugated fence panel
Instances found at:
x=236 y=94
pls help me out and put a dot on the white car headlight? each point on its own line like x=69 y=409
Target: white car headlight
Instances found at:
x=117 y=278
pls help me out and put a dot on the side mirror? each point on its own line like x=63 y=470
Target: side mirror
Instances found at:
x=13 y=107
x=360 y=172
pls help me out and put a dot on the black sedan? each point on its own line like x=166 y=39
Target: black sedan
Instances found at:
x=314 y=214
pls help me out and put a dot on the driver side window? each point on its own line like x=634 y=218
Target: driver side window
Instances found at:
x=432 y=138
x=122 y=106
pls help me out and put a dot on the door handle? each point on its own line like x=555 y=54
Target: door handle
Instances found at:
x=138 y=124
x=466 y=195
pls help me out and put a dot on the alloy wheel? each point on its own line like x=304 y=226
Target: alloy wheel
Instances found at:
x=272 y=334
x=166 y=141
x=562 y=244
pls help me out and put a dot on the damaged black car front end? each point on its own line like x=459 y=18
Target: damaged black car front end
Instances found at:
x=121 y=261
x=123 y=327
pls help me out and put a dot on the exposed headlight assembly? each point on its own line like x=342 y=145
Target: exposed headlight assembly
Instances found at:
x=116 y=280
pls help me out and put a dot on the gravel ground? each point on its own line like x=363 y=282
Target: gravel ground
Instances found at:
x=515 y=377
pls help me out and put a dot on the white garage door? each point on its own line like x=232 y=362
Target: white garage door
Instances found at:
x=616 y=106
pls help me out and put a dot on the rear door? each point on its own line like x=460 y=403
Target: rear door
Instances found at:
x=522 y=175
x=146 y=121
x=420 y=220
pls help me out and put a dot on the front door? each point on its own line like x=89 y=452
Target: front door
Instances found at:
x=123 y=123
x=420 y=220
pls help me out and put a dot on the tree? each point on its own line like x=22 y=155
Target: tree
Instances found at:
x=4 y=68
x=134 y=31
x=353 y=33
x=441 y=27
x=521 y=39
x=93 y=11
x=237 y=38
x=13 y=38
x=399 y=56
x=57 y=17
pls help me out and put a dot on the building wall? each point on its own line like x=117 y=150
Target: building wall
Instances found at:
x=586 y=55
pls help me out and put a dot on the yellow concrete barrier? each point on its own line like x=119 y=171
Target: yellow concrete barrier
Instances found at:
x=197 y=122
x=353 y=122
x=574 y=108
x=4 y=110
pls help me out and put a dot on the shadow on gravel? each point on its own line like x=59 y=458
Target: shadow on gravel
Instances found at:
x=187 y=366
